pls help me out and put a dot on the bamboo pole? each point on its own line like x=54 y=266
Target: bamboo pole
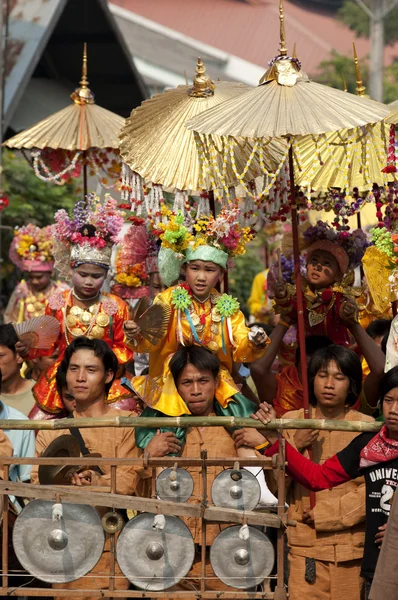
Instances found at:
x=159 y=422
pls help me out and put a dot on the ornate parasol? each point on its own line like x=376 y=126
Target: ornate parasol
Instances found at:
x=82 y=134
x=155 y=144
x=286 y=103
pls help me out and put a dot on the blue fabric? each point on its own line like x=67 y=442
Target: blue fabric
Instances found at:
x=22 y=441
x=192 y=326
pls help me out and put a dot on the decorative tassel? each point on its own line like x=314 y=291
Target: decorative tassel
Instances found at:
x=230 y=334
x=180 y=201
x=179 y=328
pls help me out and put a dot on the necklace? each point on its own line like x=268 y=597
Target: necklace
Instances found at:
x=84 y=299
x=90 y=326
x=201 y=301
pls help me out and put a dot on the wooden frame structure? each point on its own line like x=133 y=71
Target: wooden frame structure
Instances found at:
x=98 y=496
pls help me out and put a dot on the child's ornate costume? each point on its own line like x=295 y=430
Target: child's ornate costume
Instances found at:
x=380 y=265
x=87 y=238
x=322 y=308
x=215 y=323
x=31 y=251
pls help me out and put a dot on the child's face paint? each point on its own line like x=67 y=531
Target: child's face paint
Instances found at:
x=322 y=270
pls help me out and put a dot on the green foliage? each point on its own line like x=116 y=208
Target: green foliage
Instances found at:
x=356 y=18
x=30 y=201
x=240 y=278
x=332 y=71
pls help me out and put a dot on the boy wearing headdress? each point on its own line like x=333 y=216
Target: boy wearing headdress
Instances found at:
x=82 y=251
x=329 y=298
x=199 y=314
x=32 y=252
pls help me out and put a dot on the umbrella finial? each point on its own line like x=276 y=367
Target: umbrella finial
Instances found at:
x=361 y=89
x=344 y=83
x=84 y=81
x=294 y=51
x=282 y=42
x=202 y=84
x=83 y=94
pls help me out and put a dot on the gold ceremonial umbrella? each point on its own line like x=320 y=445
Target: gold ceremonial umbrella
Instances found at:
x=78 y=128
x=350 y=159
x=156 y=144
x=286 y=103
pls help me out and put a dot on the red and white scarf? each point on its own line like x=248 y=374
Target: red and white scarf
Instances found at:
x=379 y=449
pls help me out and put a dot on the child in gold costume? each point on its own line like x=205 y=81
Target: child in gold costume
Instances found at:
x=32 y=252
x=199 y=315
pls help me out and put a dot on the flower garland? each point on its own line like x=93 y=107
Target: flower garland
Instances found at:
x=61 y=176
x=135 y=276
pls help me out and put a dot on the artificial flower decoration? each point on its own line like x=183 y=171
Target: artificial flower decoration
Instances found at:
x=180 y=298
x=227 y=305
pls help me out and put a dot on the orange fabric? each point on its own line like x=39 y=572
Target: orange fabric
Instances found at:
x=289 y=394
x=45 y=391
x=339 y=513
x=332 y=581
x=219 y=444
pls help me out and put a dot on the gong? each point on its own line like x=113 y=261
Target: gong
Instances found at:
x=242 y=563
x=58 y=551
x=64 y=445
x=237 y=489
x=155 y=559
x=174 y=485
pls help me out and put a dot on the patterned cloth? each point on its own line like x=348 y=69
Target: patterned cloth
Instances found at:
x=380 y=449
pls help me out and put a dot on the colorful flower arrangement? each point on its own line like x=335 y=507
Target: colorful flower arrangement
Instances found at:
x=386 y=242
x=135 y=276
x=172 y=230
x=34 y=243
x=224 y=232
x=353 y=242
x=93 y=222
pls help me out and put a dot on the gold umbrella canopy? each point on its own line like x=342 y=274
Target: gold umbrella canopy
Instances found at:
x=80 y=126
x=287 y=103
x=156 y=144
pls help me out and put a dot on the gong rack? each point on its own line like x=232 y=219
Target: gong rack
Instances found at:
x=59 y=497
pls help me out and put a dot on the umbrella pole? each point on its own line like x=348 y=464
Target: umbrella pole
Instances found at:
x=212 y=205
x=300 y=302
x=85 y=176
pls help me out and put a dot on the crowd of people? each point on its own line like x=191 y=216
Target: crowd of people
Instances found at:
x=197 y=355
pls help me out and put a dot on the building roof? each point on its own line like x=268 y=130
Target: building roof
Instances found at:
x=44 y=59
x=167 y=58
x=250 y=30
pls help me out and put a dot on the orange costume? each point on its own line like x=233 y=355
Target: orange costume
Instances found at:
x=103 y=320
x=86 y=237
x=289 y=392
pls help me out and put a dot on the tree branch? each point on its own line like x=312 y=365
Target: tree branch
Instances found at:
x=389 y=8
x=366 y=8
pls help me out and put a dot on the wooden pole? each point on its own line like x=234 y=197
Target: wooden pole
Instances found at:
x=159 y=422
x=300 y=302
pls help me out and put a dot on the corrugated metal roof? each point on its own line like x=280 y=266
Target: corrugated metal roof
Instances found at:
x=251 y=30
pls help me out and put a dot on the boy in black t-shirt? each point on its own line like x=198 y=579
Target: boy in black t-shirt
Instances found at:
x=373 y=455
